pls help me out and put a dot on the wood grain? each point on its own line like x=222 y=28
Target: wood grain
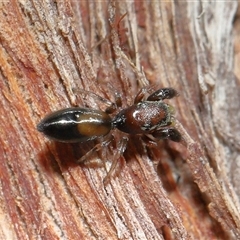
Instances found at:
x=53 y=51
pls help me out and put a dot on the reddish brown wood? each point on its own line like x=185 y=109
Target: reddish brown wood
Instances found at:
x=51 y=50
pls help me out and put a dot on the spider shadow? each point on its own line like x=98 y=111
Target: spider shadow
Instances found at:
x=58 y=157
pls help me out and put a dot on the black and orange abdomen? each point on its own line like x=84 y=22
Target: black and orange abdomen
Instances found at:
x=75 y=125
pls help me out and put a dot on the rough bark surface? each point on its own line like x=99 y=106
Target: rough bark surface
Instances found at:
x=52 y=52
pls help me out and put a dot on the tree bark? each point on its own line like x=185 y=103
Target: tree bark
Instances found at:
x=56 y=54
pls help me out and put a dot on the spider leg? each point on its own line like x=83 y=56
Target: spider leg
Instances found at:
x=118 y=161
x=99 y=146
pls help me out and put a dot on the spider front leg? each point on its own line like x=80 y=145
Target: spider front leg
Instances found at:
x=168 y=133
x=162 y=93
x=140 y=95
x=143 y=93
x=159 y=95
